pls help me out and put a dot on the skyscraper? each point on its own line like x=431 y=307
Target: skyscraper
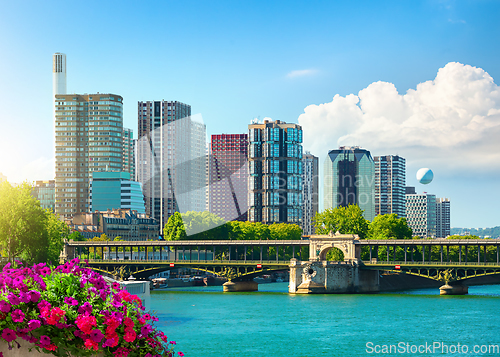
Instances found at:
x=310 y=191
x=275 y=170
x=349 y=178
x=390 y=181
x=59 y=73
x=228 y=176
x=129 y=152
x=442 y=217
x=88 y=137
x=421 y=214
x=44 y=191
x=171 y=159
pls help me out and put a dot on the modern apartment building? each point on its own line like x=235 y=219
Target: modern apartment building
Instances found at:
x=115 y=190
x=171 y=159
x=129 y=152
x=443 y=229
x=275 y=172
x=88 y=137
x=44 y=191
x=390 y=185
x=310 y=192
x=421 y=214
x=349 y=178
x=228 y=176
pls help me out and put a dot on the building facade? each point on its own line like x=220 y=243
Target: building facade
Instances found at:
x=88 y=137
x=115 y=190
x=44 y=191
x=228 y=176
x=390 y=185
x=125 y=223
x=58 y=73
x=128 y=152
x=310 y=192
x=171 y=159
x=443 y=228
x=349 y=179
x=421 y=214
x=275 y=172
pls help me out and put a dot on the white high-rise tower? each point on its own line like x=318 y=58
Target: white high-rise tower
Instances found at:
x=59 y=73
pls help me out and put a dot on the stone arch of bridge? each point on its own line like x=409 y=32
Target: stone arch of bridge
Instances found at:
x=325 y=249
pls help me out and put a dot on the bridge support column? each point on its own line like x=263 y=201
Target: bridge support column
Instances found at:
x=458 y=289
x=235 y=286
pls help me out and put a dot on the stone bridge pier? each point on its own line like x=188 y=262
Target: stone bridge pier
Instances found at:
x=319 y=276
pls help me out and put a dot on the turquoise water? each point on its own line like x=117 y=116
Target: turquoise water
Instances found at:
x=204 y=321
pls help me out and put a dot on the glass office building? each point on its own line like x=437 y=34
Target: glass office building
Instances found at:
x=349 y=178
x=275 y=172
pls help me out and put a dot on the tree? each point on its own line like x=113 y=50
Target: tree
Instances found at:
x=174 y=229
x=27 y=231
x=346 y=220
x=76 y=236
x=389 y=226
x=284 y=231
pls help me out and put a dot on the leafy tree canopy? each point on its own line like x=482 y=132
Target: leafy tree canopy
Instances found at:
x=27 y=231
x=346 y=220
x=389 y=226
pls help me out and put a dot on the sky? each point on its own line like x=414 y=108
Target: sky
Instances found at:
x=411 y=78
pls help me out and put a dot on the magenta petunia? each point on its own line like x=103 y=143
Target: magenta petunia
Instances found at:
x=13 y=299
x=96 y=335
x=8 y=335
x=17 y=315
x=44 y=340
x=4 y=306
x=34 y=324
x=34 y=295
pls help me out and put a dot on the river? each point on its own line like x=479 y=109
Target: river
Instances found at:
x=205 y=322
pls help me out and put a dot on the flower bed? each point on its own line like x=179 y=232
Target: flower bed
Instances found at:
x=71 y=311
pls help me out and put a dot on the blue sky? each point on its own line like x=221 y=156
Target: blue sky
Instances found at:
x=235 y=61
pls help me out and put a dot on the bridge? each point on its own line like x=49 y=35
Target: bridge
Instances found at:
x=450 y=261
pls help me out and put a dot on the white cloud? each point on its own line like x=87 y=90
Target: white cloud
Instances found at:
x=452 y=121
x=301 y=73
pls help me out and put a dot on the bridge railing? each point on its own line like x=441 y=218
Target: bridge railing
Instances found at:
x=427 y=263
x=190 y=262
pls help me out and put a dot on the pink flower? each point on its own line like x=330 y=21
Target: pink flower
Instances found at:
x=96 y=335
x=17 y=316
x=91 y=344
x=13 y=299
x=44 y=340
x=34 y=324
x=130 y=336
x=180 y=354
x=34 y=295
x=8 y=335
x=4 y=306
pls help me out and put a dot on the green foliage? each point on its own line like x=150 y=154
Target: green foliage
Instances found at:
x=208 y=226
x=174 y=229
x=27 y=231
x=389 y=226
x=346 y=220
x=76 y=236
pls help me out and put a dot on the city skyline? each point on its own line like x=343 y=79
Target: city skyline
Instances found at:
x=301 y=57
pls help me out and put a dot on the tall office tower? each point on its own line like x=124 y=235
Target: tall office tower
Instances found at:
x=310 y=192
x=275 y=170
x=44 y=191
x=421 y=214
x=390 y=181
x=88 y=132
x=129 y=153
x=59 y=73
x=228 y=176
x=171 y=159
x=443 y=217
x=349 y=178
